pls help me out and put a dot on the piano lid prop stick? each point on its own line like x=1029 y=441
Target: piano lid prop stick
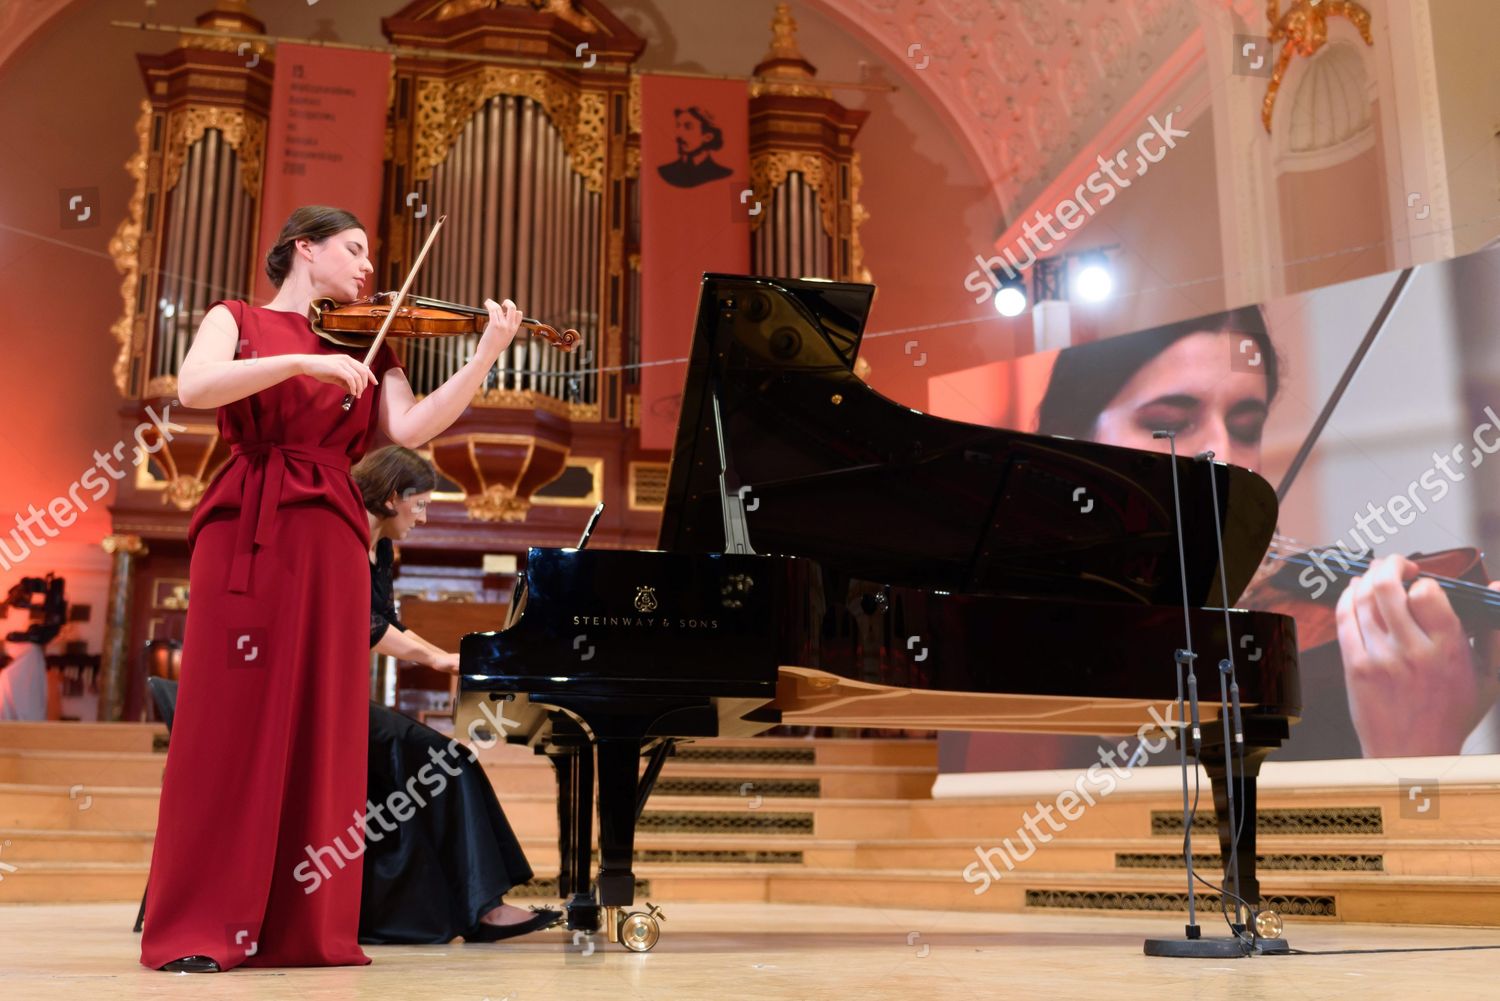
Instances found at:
x=396 y=303
x=588 y=529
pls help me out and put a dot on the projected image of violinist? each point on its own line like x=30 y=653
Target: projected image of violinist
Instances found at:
x=1397 y=658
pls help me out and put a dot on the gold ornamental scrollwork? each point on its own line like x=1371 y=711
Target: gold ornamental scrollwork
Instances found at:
x=161 y=385
x=497 y=503
x=130 y=545
x=558 y=8
x=245 y=134
x=857 y=217
x=768 y=172
x=125 y=250
x=443 y=108
x=530 y=399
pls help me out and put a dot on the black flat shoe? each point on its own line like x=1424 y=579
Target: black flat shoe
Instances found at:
x=191 y=964
x=542 y=917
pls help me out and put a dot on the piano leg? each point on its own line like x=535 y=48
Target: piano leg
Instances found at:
x=618 y=728
x=573 y=761
x=619 y=772
x=1262 y=736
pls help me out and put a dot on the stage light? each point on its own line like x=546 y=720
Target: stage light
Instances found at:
x=1094 y=282
x=1010 y=297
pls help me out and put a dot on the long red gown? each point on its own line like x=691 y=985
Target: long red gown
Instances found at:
x=265 y=773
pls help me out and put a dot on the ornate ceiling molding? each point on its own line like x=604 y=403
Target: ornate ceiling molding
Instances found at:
x=1028 y=84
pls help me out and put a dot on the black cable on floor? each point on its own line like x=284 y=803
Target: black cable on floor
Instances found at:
x=1371 y=952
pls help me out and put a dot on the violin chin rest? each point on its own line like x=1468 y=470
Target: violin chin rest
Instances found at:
x=347 y=340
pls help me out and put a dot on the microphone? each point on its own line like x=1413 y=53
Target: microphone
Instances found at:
x=1192 y=684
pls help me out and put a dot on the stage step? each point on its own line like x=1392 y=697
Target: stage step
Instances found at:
x=89 y=768
x=790 y=820
x=141 y=738
x=78 y=807
x=25 y=845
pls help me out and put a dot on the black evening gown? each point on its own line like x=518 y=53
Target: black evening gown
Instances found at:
x=431 y=876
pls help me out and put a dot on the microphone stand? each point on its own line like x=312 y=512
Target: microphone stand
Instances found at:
x=1193 y=945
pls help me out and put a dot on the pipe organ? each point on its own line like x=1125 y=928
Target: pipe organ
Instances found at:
x=206 y=249
x=522 y=220
x=189 y=236
x=803 y=168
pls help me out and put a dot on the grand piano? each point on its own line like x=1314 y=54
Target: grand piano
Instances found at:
x=828 y=557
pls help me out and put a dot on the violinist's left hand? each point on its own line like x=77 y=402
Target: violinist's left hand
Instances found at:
x=505 y=320
x=1416 y=686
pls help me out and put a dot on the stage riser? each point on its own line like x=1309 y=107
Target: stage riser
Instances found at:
x=91 y=809
x=828 y=822
x=772 y=752
x=1467 y=813
x=54 y=885
x=853 y=782
x=103 y=738
x=19 y=847
x=1402 y=905
x=68 y=768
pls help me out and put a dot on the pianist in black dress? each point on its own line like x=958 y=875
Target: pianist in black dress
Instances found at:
x=1406 y=680
x=445 y=870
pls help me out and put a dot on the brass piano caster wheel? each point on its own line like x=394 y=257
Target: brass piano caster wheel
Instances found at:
x=640 y=930
x=1268 y=924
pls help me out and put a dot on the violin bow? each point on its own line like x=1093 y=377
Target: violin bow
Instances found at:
x=1376 y=326
x=396 y=305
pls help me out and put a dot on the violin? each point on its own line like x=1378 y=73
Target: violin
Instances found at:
x=1307 y=583
x=357 y=323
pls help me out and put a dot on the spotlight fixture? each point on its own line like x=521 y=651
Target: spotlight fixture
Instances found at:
x=1094 y=281
x=1010 y=297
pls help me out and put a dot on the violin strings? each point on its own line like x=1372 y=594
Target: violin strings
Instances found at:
x=1301 y=549
x=1346 y=563
x=1301 y=556
x=1298 y=547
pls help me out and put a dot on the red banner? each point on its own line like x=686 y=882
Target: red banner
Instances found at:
x=325 y=144
x=695 y=217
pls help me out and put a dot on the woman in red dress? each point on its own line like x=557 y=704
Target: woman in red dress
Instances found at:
x=266 y=766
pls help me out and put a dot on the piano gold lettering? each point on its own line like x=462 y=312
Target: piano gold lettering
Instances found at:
x=643 y=622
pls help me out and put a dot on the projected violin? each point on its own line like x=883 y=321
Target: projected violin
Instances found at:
x=1306 y=583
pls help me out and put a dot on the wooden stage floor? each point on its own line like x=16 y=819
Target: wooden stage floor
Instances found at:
x=768 y=952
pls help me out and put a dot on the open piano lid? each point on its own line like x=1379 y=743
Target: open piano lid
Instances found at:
x=833 y=471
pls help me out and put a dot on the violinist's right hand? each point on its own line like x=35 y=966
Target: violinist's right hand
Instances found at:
x=339 y=370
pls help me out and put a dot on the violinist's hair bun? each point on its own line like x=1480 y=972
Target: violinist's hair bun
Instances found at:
x=310 y=222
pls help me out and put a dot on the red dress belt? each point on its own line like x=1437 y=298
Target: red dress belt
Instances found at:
x=262 y=497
